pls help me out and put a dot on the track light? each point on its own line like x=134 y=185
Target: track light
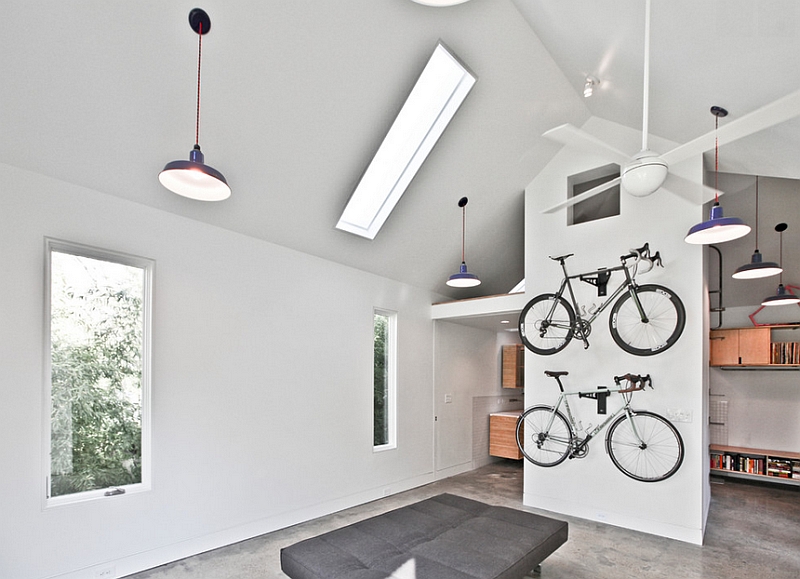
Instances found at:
x=588 y=87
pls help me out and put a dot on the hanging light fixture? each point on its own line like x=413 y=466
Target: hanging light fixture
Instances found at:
x=463 y=278
x=757 y=268
x=784 y=296
x=717 y=229
x=193 y=178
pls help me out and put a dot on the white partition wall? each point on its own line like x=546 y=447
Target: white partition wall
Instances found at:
x=592 y=488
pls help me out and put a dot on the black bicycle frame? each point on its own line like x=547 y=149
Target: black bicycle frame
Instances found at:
x=580 y=322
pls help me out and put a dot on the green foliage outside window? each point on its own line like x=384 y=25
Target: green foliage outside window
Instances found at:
x=96 y=357
x=380 y=381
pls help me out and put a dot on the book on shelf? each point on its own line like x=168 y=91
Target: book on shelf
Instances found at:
x=785 y=353
x=779 y=467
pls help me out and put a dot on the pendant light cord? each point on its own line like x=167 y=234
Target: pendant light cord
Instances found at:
x=716 y=159
x=199 y=53
x=463 y=227
x=756 y=227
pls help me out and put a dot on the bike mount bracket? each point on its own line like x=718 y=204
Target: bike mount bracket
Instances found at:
x=601 y=396
x=599 y=279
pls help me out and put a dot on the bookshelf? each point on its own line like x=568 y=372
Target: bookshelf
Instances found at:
x=774 y=466
x=759 y=348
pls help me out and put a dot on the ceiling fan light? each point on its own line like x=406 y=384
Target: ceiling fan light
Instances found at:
x=783 y=297
x=644 y=175
x=718 y=229
x=463 y=278
x=194 y=179
x=757 y=268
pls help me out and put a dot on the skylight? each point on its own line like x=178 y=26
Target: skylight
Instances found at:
x=437 y=95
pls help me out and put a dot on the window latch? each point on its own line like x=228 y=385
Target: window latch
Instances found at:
x=114 y=492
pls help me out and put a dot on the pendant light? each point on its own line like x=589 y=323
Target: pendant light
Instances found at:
x=193 y=178
x=463 y=278
x=784 y=296
x=757 y=268
x=717 y=229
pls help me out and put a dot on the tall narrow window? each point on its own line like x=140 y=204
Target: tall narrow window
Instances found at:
x=384 y=344
x=98 y=313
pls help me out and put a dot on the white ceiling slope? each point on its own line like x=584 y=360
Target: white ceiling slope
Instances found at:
x=297 y=96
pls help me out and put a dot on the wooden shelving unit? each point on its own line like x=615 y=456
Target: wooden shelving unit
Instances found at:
x=754 y=349
x=513 y=366
x=773 y=466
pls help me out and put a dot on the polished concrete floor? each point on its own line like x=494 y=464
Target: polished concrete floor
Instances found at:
x=753 y=532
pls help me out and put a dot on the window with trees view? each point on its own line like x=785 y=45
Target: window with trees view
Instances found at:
x=384 y=348
x=99 y=312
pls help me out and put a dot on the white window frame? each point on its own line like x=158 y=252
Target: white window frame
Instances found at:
x=391 y=378
x=148 y=267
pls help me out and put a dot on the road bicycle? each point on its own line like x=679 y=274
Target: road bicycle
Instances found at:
x=643 y=445
x=644 y=319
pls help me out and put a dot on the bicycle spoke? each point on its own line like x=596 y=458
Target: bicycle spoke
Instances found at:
x=653 y=455
x=544 y=436
x=665 y=320
x=545 y=324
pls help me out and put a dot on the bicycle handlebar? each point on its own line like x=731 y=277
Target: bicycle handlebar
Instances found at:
x=636 y=382
x=643 y=254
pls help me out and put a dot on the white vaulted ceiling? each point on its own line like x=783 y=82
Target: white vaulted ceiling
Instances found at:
x=297 y=96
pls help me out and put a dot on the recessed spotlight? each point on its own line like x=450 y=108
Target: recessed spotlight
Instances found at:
x=505 y=322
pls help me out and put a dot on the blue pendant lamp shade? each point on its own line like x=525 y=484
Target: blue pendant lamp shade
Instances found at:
x=718 y=228
x=757 y=268
x=463 y=278
x=193 y=178
x=784 y=296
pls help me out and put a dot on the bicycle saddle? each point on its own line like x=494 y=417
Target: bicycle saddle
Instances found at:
x=555 y=374
x=561 y=257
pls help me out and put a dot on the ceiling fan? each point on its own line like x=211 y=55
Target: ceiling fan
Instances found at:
x=647 y=171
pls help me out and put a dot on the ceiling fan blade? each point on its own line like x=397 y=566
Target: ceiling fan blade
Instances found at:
x=583 y=196
x=693 y=192
x=776 y=112
x=570 y=135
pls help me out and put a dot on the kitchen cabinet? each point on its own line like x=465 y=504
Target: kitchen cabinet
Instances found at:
x=513 y=366
x=503 y=434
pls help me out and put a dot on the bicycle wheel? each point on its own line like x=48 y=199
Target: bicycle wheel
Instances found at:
x=544 y=332
x=654 y=455
x=541 y=444
x=665 y=320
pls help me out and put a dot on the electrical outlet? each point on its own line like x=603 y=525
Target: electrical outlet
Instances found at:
x=108 y=572
x=448 y=398
x=679 y=415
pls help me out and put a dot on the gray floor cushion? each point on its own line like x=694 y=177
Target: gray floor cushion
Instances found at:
x=444 y=537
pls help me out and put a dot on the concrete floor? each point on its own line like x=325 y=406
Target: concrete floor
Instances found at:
x=753 y=532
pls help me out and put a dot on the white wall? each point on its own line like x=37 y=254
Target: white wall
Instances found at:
x=592 y=487
x=262 y=393
x=466 y=366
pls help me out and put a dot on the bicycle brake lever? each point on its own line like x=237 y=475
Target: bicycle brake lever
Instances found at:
x=656 y=259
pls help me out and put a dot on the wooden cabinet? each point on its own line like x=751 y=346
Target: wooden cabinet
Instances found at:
x=756 y=464
x=740 y=347
x=513 y=366
x=503 y=434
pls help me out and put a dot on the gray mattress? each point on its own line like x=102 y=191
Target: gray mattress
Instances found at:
x=447 y=536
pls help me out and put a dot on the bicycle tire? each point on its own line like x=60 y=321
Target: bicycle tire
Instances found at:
x=540 y=445
x=656 y=458
x=552 y=338
x=666 y=320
